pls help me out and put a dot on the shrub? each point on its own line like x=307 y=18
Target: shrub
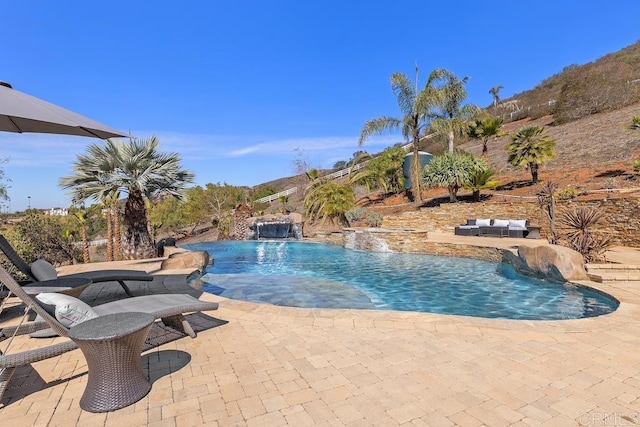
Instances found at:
x=568 y=193
x=356 y=214
x=636 y=166
x=635 y=122
x=373 y=219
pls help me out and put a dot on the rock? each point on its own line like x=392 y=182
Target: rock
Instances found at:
x=198 y=260
x=552 y=262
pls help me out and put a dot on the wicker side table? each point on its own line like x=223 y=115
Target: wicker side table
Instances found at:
x=112 y=345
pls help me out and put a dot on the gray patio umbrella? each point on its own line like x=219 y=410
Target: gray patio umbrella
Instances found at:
x=20 y=113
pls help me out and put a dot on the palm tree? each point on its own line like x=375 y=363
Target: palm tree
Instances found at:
x=494 y=91
x=415 y=107
x=81 y=216
x=531 y=146
x=478 y=180
x=330 y=200
x=452 y=117
x=484 y=129
x=136 y=168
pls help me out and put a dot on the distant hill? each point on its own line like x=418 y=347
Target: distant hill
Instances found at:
x=609 y=83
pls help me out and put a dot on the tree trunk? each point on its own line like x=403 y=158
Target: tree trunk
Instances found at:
x=136 y=241
x=485 y=150
x=450 y=138
x=117 y=232
x=476 y=195
x=86 y=257
x=533 y=167
x=109 y=235
x=453 y=191
x=416 y=174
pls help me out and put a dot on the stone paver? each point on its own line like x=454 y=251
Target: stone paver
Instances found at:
x=268 y=365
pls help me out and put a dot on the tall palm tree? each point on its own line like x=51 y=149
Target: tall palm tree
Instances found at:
x=531 y=146
x=484 y=129
x=495 y=93
x=415 y=107
x=136 y=168
x=81 y=216
x=452 y=116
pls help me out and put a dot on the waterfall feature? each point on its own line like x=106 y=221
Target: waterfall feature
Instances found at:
x=366 y=240
x=274 y=228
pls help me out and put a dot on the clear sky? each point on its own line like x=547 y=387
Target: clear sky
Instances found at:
x=236 y=87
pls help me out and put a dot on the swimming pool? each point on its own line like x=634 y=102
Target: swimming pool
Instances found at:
x=317 y=275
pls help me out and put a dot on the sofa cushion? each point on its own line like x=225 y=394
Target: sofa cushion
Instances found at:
x=68 y=310
x=500 y=223
x=517 y=224
x=483 y=222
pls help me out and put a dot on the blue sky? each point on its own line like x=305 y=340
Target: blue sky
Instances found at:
x=237 y=87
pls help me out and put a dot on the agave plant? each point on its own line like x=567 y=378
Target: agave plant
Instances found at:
x=581 y=238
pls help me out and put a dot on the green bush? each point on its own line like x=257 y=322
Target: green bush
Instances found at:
x=568 y=193
x=356 y=214
x=636 y=166
x=635 y=122
x=373 y=219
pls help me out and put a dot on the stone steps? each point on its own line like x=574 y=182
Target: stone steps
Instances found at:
x=613 y=272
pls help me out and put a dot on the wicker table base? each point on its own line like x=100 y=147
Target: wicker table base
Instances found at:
x=112 y=345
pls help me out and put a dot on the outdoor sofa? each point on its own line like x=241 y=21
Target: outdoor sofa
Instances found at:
x=494 y=227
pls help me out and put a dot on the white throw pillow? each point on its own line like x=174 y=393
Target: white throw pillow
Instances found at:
x=69 y=311
x=43 y=270
x=483 y=222
x=500 y=222
x=518 y=224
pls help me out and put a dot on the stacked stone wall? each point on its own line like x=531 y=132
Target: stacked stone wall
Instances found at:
x=621 y=219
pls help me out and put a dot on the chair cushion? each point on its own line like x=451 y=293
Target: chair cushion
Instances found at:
x=518 y=224
x=500 y=222
x=43 y=270
x=483 y=222
x=68 y=310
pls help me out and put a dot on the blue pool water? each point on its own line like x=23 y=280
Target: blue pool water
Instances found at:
x=315 y=275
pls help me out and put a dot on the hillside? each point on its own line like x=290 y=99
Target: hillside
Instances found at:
x=589 y=120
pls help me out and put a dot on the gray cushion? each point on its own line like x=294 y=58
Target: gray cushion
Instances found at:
x=43 y=270
x=68 y=310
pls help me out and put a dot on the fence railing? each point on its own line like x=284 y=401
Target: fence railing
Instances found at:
x=275 y=196
x=334 y=175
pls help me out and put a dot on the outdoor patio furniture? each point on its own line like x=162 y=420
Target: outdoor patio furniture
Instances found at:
x=98 y=276
x=494 y=227
x=112 y=345
x=168 y=307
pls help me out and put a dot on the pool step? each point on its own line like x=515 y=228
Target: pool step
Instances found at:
x=613 y=272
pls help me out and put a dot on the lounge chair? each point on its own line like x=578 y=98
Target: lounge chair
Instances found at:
x=40 y=270
x=168 y=307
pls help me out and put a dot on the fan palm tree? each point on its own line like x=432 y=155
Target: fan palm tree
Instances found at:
x=484 y=129
x=136 y=168
x=451 y=117
x=495 y=93
x=531 y=146
x=416 y=108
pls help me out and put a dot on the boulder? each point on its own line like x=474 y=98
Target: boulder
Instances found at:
x=551 y=262
x=197 y=260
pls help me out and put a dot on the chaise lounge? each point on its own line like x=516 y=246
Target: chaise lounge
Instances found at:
x=41 y=270
x=62 y=312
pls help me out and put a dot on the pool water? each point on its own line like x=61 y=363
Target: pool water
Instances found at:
x=316 y=275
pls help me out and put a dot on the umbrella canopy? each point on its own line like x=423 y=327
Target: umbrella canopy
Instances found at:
x=20 y=113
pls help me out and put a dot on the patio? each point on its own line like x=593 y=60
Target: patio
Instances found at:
x=277 y=365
